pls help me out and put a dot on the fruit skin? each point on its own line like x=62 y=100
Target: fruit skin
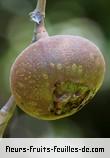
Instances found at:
x=56 y=76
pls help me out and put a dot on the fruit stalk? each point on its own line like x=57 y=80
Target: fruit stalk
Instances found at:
x=38 y=16
x=41 y=5
x=6 y=113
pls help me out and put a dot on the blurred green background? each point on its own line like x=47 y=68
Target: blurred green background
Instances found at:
x=88 y=18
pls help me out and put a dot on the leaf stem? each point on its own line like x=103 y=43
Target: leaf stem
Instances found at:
x=6 y=113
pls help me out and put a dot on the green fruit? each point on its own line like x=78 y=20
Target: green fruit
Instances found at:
x=56 y=76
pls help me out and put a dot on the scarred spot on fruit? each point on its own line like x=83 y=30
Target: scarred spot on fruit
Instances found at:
x=74 y=67
x=97 y=60
x=68 y=67
x=77 y=69
x=29 y=73
x=52 y=65
x=80 y=67
x=25 y=78
x=80 y=70
x=32 y=81
x=29 y=65
x=69 y=96
x=59 y=66
x=29 y=77
x=21 y=75
x=20 y=85
x=92 y=56
x=17 y=72
x=45 y=76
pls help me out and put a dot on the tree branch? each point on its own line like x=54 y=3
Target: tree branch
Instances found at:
x=6 y=113
x=41 y=5
x=38 y=16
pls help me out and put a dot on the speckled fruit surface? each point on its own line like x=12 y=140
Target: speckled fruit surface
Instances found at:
x=56 y=76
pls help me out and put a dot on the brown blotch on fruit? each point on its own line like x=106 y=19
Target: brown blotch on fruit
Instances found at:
x=68 y=97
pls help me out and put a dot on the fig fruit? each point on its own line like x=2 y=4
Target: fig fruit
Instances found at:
x=56 y=76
